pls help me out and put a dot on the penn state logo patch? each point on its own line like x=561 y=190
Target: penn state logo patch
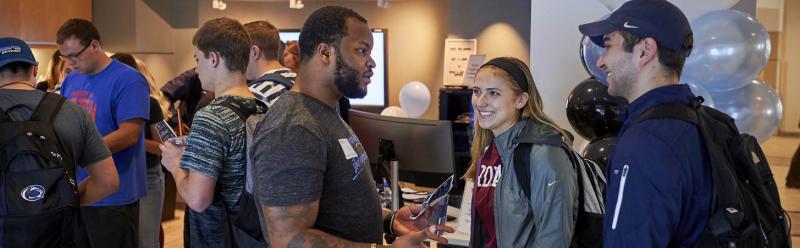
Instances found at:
x=32 y=193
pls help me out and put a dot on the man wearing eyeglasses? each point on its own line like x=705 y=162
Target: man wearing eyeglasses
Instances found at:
x=116 y=96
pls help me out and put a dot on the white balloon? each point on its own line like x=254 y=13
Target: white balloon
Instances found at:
x=415 y=98
x=394 y=111
x=691 y=8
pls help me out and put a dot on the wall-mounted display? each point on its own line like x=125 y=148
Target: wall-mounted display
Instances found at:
x=377 y=89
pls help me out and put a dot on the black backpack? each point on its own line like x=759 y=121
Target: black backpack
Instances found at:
x=746 y=209
x=591 y=187
x=244 y=226
x=39 y=199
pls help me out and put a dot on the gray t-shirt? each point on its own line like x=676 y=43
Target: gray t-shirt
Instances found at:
x=303 y=152
x=73 y=126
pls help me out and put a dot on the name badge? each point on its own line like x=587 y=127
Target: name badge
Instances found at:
x=348 y=150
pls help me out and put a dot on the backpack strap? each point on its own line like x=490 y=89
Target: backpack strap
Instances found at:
x=670 y=111
x=275 y=77
x=3 y=116
x=46 y=111
x=522 y=158
x=48 y=108
x=522 y=164
x=242 y=111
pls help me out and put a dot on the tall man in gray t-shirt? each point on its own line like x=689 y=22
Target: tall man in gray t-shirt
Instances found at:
x=312 y=177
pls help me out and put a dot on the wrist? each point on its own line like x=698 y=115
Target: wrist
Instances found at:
x=387 y=224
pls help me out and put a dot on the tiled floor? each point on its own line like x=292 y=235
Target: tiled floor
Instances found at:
x=779 y=152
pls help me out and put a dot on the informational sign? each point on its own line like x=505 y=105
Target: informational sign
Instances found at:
x=456 y=58
x=473 y=64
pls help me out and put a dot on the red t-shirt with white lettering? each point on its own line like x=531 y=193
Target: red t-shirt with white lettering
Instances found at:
x=488 y=177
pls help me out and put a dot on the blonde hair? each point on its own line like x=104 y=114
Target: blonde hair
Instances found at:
x=533 y=109
x=154 y=91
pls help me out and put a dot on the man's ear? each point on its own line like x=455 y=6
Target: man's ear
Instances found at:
x=34 y=72
x=255 y=52
x=325 y=52
x=216 y=59
x=648 y=51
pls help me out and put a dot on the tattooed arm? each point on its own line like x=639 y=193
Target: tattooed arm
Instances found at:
x=292 y=226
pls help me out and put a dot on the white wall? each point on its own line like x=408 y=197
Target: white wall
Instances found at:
x=791 y=68
x=555 y=39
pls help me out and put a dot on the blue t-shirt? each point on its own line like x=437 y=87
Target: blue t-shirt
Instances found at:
x=114 y=95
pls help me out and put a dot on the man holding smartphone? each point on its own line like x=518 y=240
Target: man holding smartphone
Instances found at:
x=210 y=170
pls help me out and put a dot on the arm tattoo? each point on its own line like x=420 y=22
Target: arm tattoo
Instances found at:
x=292 y=226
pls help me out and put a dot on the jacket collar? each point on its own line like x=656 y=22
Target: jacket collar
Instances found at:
x=666 y=94
x=527 y=131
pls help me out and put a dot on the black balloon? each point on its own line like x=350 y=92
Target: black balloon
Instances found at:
x=600 y=150
x=592 y=112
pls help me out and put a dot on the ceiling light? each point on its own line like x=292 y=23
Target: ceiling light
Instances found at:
x=296 y=4
x=218 y=4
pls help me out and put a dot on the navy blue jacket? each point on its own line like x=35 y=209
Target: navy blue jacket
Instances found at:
x=659 y=190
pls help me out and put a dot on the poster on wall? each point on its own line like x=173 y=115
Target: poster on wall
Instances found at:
x=456 y=59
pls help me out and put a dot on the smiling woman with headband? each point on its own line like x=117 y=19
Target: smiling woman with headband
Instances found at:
x=508 y=112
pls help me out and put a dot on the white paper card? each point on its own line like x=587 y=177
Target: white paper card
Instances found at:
x=474 y=63
x=465 y=215
x=348 y=150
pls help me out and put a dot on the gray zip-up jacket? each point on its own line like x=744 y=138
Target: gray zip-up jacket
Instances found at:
x=548 y=218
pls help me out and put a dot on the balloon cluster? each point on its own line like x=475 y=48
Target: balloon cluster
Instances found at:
x=596 y=116
x=731 y=48
x=414 y=100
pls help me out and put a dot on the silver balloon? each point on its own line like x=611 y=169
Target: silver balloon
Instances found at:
x=590 y=52
x=698 y=90
x=756 y=108
x=730 y=47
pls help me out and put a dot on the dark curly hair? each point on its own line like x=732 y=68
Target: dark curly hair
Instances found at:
x=227 y=37
x=325 y=25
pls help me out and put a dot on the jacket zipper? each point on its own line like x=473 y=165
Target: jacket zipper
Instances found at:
x=619 y=196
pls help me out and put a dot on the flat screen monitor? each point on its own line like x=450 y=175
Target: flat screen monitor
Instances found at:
x=424 y=148
x=376 y=90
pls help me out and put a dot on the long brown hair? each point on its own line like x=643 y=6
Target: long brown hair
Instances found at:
x=53 y=75
x=533 y=109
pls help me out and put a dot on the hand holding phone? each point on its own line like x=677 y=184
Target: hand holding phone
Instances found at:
x=166 y=133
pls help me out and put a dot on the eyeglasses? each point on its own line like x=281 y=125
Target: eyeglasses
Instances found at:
x=76 y=55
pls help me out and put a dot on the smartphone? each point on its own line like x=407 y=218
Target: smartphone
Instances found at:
x=166 y=133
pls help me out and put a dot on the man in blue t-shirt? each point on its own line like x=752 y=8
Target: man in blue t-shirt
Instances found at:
x=116 y=96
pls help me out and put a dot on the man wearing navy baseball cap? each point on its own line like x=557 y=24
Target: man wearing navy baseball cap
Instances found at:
x=80 y=143
x=659 y=181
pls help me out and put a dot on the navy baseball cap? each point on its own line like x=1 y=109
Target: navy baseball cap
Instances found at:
x=657 y=19
x=15 y=50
